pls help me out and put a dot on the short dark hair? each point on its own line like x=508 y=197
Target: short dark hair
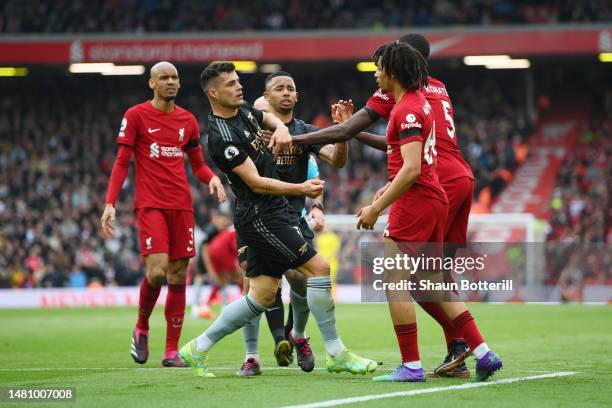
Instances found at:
x=418 y=42
x=403 y=62
x=213 y=70
x=274 y=75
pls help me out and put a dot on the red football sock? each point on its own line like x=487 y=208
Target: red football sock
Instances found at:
x=407 y=341
x=213 y=293
x=435 y=311
x=175 y=311
x=465 y=324
x=146 y=303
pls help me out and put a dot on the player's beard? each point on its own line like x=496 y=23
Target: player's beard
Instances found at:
x=170 y=98
x=284 y=111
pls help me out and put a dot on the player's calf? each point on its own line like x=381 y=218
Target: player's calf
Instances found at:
x=321 y=304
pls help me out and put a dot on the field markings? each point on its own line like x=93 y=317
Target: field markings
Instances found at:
x=364 y=398
x=264 y=368
x=150 y=368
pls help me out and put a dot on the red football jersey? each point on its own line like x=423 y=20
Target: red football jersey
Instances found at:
x=224 y=252
x=451 y=164
x=412 y=120
x=159 y=139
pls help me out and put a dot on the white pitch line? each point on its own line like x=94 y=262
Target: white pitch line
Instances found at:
x=152 y=368
x=353 y=400
x=18 y=369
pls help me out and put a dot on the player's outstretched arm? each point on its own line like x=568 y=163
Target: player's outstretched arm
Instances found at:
x=204 y=173
x=378 y=142
x=337 y=154
x=342 y=111
x=281 y=140
x=118 y=175
x=410 y=171
x=264 y=185
x=337 y=133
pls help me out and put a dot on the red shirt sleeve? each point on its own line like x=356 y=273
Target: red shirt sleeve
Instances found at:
x=194 y=151
x=128 y=131
x=200 y=169
x=118 y=174
x=381 y=103
x=410 y=125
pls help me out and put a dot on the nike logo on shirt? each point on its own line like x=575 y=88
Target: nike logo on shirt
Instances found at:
x=153 y=130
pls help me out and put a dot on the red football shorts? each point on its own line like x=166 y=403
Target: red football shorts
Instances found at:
x=417 y=218
x=459 y=193
x=166 y=231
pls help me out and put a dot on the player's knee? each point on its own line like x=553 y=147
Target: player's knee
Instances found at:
x=297 y=281
x=177 y=277
x=321 y=268
x=263 y=297
x=156 y=273
x=156 y=276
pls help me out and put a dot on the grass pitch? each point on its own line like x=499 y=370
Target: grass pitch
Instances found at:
x=89 y=349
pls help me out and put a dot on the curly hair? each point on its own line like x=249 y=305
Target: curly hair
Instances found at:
x=403 y=62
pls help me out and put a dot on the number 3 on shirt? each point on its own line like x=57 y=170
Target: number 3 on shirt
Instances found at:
x=430 y=146
x=449 y=118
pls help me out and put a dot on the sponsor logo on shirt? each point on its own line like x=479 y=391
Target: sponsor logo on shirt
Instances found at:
x=171 y=151
x=166 y=151
x=287 y=158
x=259 y=144
x=381 y=95
x=411 y=125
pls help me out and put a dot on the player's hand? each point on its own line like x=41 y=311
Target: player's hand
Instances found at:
x=319 y=217
x=108 y=221
x=381 y=191
x=313 y=188
x=367 y=218
x=215 y=186
x=267 y=135
x=280 y=141
x=342 y=110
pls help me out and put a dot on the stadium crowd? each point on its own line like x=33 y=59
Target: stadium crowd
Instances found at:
x=55 y=161
x=580 y=225
x=140 y=16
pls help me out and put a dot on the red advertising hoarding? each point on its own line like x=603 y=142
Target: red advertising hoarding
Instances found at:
x=293 y=47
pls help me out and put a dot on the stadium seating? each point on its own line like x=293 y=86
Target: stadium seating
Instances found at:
x=55 y=165
x=189 y=15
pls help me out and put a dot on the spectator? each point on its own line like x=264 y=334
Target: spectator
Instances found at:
x=56 y=153
x=140 y=16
